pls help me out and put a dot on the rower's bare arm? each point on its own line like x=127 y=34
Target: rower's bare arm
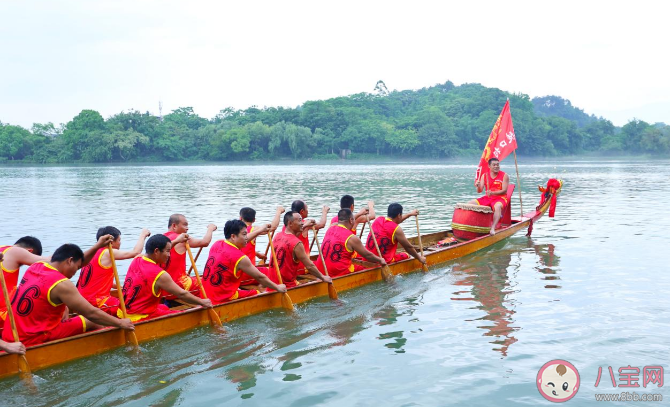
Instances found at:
x=13 y=347
x=411 y=213
x=260 y=230
x=166 y=284
x=324 y=218
x=355 y=244
x=251 y=270
x=102 y=242
x=402 y=239
x=277 y=218
x=66 y=293
x=302 y=256
x=19 y=256
x=129 y=254
x=206 y=240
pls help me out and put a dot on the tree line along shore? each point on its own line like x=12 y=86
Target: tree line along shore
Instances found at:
x=441 y=121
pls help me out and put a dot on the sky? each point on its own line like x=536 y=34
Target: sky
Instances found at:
x=609 y=58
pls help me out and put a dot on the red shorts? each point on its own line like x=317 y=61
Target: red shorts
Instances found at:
x=244 y=294
x=69 y=327
x=189 y=284
x=399 y=256
x=109 y=304
x=491 y=201
x=160 y=311
x=247 y=280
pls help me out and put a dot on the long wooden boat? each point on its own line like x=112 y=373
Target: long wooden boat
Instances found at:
x=88 y=344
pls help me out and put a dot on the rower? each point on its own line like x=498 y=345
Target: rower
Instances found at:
x=227 y=264
x=46 y=292
x=146 y=279
x=495 y=183
x=347 y=202
x=176 y=267
x=300 y=207
x=389 y=233
x=339 y=245
x=248 y=216
x=291 y=252
x=12 y=347
x=97 y=278
x=26 y=251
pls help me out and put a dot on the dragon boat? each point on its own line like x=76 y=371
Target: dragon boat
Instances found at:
x=469 y=233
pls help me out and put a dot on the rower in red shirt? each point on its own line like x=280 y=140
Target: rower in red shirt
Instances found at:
x=248 y=216
x=339 y=245
x=26 y=251
x=347 y=202
x=97 y=278
x=227 y=264
x=12 y=347
x=495 y=183
x=46 y=293
x=146 y=280
x=389 y=233
x=176 y=267
x=291 y=253
x=309 y=224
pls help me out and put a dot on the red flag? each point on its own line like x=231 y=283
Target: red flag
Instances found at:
x=501 y=143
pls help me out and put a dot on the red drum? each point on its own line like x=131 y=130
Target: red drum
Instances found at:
x=471 y=221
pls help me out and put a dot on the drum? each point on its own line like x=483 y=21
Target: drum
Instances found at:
x=471 y=221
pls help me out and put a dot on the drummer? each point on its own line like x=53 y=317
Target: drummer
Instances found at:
x=495 y=183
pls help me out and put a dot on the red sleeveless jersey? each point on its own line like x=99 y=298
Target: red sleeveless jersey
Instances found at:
x=176 y=265
x=284 y=243
x=35 y=314
x=95 y=280
x=139 y=290
x=221 y=278
x=250 y=248
x=11 y=279
x=495 y=184
x=334 y=249
x=384 y=229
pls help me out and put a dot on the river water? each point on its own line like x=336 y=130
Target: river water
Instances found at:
x=590 y=286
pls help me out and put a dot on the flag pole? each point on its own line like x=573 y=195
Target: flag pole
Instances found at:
x=518 y=181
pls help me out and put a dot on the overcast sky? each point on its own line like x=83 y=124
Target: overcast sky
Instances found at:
x=609 y=58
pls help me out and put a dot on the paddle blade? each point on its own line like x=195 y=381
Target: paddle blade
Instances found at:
x=425 y=268
x=332 y=293
x=132 y=339
x=215 y=320
x=24 y=368
x=287 y=303
x=387 y=275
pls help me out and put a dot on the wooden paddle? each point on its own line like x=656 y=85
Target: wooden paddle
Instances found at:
x=196 y=259
x=313 y=240
x=130 y=335
x=24 y=368
x=362 y=229
x=331 y=288
x=386 y=272
x=418 y=233
x=285 y=299
x=213 y=316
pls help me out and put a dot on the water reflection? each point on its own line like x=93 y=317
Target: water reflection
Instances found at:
x=547 y=261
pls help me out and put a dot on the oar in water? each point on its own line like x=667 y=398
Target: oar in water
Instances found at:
x=213 y=316
x=196 y=259
x=418 y=233
x=331 y=288
x=285 y=299
x=386 y=272
x=24 y=368
x=130 y=335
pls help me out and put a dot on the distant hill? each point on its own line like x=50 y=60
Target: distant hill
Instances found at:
x=557 y=106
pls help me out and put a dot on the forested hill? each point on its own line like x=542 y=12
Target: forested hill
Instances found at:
x=435 y=122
